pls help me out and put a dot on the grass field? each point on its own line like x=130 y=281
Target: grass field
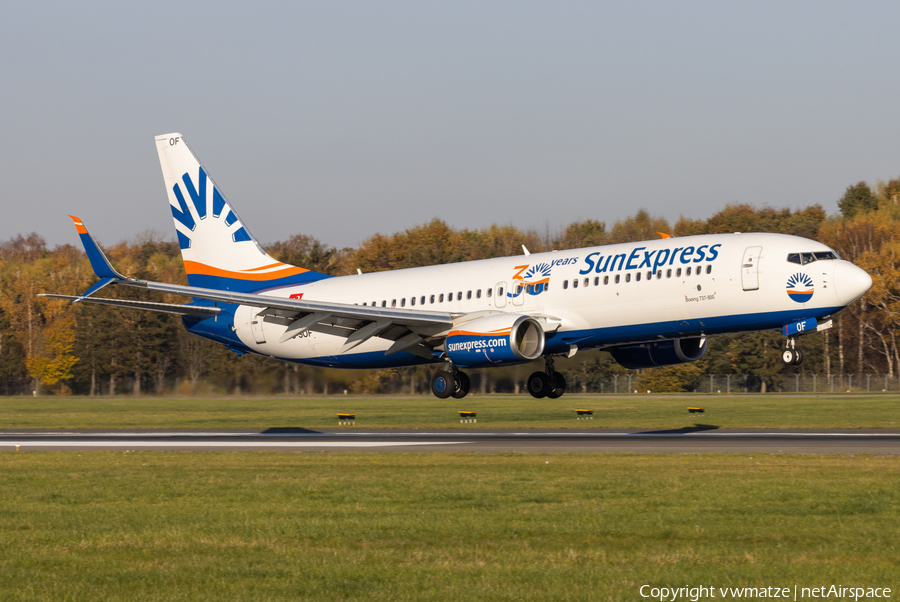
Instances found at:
x=448 y=527
x=426 y=412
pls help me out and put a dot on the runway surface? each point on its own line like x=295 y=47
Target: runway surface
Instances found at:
x=681 y=441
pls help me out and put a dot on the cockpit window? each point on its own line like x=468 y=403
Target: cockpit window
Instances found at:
x=804 y=258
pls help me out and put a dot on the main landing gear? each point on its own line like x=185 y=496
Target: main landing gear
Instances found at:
x=792 y=354
x=548 y=383
x=452 y=383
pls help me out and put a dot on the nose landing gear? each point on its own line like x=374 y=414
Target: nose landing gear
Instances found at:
x=548 y=383
x=792 y=354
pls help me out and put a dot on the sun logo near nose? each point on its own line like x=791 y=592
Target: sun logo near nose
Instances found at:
x=800 y=288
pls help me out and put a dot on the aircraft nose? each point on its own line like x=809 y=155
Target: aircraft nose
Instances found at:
x=850 y=282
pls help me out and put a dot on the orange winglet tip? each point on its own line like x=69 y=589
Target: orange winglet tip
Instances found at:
x=664 y=235
x=79 y=226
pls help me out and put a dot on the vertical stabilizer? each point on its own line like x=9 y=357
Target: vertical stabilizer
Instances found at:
x=218 y=250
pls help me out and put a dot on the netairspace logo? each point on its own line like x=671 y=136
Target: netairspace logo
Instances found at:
x=477 y=344
x=836 y=592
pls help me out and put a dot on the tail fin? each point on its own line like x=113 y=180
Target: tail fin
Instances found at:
x=218 y=250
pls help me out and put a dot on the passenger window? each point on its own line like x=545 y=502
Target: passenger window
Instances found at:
x=478 y=294
x=459 y=296
x=575 y=283
x=441 y=298
x=469 y=295
x=422 y=300
x=432 y=299
x=649 y=275
x=565 y=284
x=617 y=278
x=412 y=300
x=394 y=303
x=488 y=292
x=597 y=281
x=587 y=281
x=709 y=269
x=637 y=277
x=384 y=303
x=403 y=302
x=500 y=291
x=687 y=272
x=669 y=273
x=678 y=273
x=606 y=280
x=628 y=277
x=658 y=274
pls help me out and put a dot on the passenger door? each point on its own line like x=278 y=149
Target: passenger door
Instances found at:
x=750 y=268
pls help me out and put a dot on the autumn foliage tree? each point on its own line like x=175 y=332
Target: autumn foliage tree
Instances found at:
x=53 y=359
x=104 y=350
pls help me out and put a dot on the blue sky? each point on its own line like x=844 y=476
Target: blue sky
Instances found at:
x=342 y=119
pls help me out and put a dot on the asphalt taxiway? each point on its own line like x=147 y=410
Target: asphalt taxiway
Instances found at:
x=680 y=441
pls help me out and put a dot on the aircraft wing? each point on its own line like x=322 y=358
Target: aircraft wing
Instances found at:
x=414 y=331
x=408 y=328
x=411 y=330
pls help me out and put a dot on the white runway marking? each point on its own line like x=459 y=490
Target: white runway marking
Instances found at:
x=463 y=433
x=133 y=444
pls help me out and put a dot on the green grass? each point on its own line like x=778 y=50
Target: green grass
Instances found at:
x=274 y=526
x=426 y=412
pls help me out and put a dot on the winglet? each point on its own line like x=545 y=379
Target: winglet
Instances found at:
x=664 y=235
x=99 y=262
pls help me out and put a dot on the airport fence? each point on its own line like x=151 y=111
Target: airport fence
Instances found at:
x=745 y=383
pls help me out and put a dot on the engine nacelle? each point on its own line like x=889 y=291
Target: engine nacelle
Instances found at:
x=495 y=340
x=662 y=353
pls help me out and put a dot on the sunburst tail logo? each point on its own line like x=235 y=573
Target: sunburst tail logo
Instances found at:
x=800 y=288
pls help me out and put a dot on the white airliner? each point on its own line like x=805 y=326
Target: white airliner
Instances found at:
x=651 y=303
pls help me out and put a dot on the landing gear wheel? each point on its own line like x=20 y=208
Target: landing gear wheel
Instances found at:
x=442 y=385
x=462 y=385
x=792 y=357
x=788 y=356
x=560 y=388
x=538 y=384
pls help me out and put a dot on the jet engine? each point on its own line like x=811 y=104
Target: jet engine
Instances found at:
x=495 y=340
x=660 y=353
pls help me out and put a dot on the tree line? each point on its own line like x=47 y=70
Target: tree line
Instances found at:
x=47 y=346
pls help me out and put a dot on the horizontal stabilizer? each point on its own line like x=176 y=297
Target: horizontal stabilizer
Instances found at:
x=166 y=308
x=100 y=284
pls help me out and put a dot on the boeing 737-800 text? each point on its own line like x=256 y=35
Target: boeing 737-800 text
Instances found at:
x=651 y=303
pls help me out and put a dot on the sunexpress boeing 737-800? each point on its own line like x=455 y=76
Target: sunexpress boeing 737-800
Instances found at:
x=651 y=303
